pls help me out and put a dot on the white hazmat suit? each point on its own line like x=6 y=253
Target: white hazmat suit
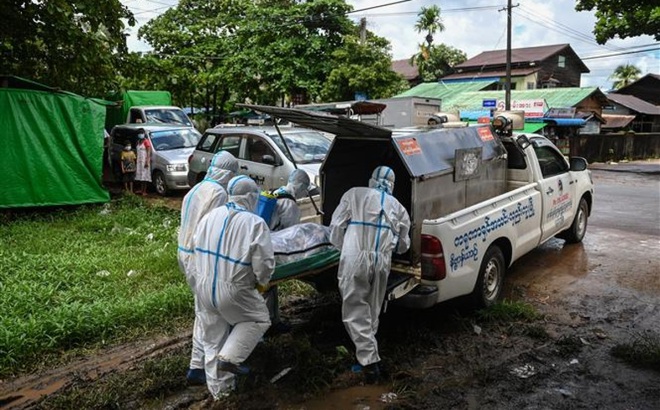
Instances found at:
x=367 y=226
x=208 y=194
x=287 y=212
x=233 y=253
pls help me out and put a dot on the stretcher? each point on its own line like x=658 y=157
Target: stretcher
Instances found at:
x=311 y=265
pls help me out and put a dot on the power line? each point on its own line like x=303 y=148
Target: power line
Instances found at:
x=568 y=29
x=442 y=11
x=620 y=54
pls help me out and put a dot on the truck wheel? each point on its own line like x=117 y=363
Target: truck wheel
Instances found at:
x=160 y=184
x=578 y=228
x=491 y=278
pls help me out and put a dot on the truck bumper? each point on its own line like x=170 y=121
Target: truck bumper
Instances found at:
x=421 y=297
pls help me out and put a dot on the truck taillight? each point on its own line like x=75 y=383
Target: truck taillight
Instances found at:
x=433 y=259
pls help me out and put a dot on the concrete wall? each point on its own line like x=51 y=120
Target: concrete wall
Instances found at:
x=596 y=147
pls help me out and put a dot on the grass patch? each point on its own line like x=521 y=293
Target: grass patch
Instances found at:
x=643 y=350
x=76 y=276
x=508 y=311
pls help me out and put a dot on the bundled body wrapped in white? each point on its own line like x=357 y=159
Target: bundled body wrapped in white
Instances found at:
x=300 y=241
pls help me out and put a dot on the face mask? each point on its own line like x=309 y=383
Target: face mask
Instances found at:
x=127 y=148
x=141 y=136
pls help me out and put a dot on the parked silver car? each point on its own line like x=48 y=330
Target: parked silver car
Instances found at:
x=261 y=153
x=171 y=146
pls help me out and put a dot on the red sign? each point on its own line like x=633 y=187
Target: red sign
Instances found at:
x=483 y=120
x=409 y=146
x=485 y=134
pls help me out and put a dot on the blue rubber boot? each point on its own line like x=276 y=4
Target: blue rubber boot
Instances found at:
x=196 y=377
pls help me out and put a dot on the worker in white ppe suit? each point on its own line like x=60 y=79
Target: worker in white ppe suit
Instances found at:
x=287 y=212
x=368 y=225
x=208 y=194
x=233 y=254
x=285 y=215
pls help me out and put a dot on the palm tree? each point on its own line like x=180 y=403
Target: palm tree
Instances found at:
x=429 y=21
x=624 y=75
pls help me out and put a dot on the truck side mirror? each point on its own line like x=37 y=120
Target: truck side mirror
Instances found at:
x=523 y=142
x=578 y=164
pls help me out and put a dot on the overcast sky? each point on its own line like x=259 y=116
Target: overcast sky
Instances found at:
x=535 y=23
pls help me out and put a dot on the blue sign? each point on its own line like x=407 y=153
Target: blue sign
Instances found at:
x=489 y=103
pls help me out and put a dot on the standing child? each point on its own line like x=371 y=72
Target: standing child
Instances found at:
x=128 y=166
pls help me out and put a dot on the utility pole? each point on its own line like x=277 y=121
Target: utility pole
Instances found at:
x=507 y=83
x=363 y=30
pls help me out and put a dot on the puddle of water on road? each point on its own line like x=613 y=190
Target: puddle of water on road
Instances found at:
x=371 y=397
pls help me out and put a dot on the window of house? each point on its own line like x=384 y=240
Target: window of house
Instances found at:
x=562 y=61
x=531 y=85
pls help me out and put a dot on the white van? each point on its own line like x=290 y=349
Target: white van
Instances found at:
x=261 y=154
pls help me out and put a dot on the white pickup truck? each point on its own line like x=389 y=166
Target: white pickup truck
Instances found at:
x=478 y=197
x=468 y=251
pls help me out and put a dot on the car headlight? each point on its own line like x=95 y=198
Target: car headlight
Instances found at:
x=177 y=168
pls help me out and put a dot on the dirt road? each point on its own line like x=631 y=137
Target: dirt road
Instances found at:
x=594 y=299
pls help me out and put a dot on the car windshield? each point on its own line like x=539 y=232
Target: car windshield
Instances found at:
x=174 y=139
x=167 y=116
x=307 y=147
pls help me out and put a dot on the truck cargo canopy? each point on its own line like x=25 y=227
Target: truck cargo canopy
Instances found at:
x=340 y=126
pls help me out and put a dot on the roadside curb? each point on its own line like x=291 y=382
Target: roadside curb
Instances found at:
x=648 y=168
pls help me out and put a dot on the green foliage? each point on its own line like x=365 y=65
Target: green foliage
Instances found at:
x=434 y=62
x=438 y=61
x=72 y=45
x=429 y=21
x=623 y=18
x=76 y=276
x=624 y=75
x=362 y=68
x=508 y=311
x=643 y=350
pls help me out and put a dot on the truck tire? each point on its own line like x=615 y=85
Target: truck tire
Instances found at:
x=578 y=228
x=489 y=285
x=160 y=184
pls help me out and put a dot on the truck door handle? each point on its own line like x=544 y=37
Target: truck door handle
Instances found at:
x=243 y=166
x=549 y=191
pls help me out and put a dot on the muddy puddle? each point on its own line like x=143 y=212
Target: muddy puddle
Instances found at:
x=369 y=397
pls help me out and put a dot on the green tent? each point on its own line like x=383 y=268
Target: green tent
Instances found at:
x=53 y=146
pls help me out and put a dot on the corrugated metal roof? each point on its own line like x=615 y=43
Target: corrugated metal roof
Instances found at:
x=555 y=97
x=617 y=121
x=444 y=89
x=514 y=73
x=634 y=103
x=518 y=55
x=407 y=70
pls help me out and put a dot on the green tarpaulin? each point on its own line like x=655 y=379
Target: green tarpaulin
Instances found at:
x=118 y=113
x=53 y=149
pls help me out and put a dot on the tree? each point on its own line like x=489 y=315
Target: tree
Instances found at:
x=365 y=68
x=73 y=45
x=624 y=75
x=265 y=51
x=623 y=18
x=439 y=63
x=429 y=21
